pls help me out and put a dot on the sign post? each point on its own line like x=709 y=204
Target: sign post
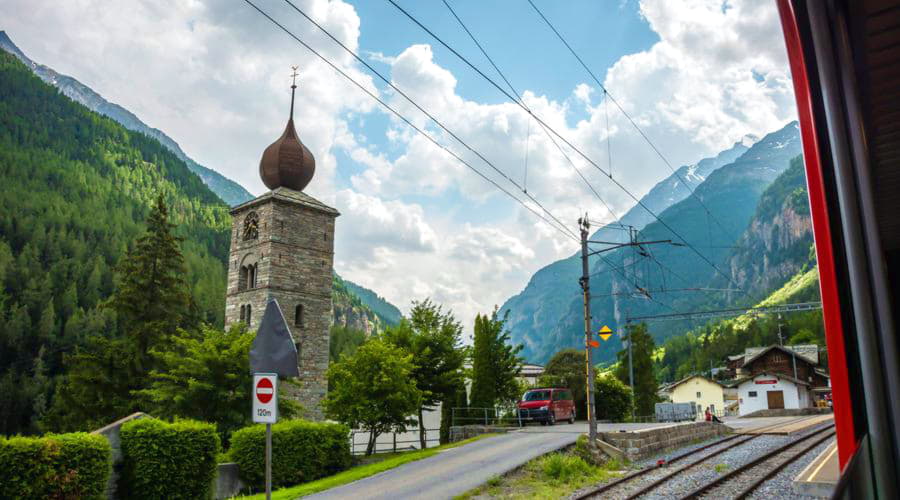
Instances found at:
x=272 y=355
x=265 y=410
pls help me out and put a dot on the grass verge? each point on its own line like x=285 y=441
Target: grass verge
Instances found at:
x=551 y=476
x=389 y=461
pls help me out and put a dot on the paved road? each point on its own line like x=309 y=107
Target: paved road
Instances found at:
x=457 y=470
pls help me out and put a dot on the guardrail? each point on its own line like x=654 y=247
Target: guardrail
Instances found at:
x=394 y=445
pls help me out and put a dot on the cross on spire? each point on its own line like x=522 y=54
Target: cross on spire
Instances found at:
x=294 y=75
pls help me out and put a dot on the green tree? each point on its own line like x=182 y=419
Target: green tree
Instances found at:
x=567 y=368
x=204 y=377
x=453 y=405
x=645 y=383
x=496 y=363
x=344 y=340
x=374 y=390
x=433 y=337
x=613 y=399
x=151 y=299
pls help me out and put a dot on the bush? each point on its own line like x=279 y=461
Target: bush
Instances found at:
x=301 y=451
x=55 y=466
x=168 y=460
x=563 y=467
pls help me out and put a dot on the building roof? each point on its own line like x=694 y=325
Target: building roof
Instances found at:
x=744 y=380
x=787 y=349
x=808 y=351
x=689 y=377
x=287 y=162
x=288 y=196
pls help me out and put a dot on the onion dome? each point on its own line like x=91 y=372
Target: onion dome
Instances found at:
x=287 y=162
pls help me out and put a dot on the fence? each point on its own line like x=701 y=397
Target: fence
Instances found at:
x=500 y=416
x=410 y=437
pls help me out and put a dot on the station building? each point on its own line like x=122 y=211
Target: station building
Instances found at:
x=771 y=391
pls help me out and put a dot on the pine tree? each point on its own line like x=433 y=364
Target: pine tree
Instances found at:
x=645 y=383
x=495 y=363
x=152 y=300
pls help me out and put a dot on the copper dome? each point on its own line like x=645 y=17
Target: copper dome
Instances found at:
x=287 y=162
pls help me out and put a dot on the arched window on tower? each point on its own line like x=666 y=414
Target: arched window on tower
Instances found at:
x=243 y=313
x=243 y=278
x=253 y=269
x=248 y=314
x=298 y=315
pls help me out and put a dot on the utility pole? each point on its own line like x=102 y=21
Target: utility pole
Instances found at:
x=585 y=226
x=585 y=281
x=793 y=352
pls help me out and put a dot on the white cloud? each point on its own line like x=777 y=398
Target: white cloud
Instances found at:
x=214 y=76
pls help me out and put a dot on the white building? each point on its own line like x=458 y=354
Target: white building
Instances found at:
x=767 y=391
x=530 y=374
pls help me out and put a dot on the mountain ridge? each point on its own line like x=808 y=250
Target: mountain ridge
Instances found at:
x=551 y=319
x=228 y=190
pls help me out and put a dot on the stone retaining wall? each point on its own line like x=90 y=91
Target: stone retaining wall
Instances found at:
x=461 y=432
x=646 y=442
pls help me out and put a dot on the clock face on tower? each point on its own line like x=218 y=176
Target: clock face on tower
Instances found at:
x=251 y=226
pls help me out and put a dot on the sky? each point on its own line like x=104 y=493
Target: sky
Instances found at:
x=695 y=75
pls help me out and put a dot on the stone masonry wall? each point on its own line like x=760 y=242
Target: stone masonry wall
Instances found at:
x=294 y=255
x=643 y=443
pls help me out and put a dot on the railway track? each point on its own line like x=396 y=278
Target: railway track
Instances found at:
x=744 y=480
x=646 y=481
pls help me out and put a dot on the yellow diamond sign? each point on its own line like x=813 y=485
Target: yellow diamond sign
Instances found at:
x=605 y=333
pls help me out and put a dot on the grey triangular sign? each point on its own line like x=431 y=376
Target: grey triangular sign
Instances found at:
x=273 y=349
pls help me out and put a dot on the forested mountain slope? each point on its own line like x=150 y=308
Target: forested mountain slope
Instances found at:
x=230 y=191
x=729 y=195
x=76 y=188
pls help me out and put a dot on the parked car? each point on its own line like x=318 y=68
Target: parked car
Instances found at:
x=547 y=405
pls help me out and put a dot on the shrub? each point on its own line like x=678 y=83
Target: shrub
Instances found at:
x=301 y=451
x=55 y=466
x=168 y=460
x=563 y=467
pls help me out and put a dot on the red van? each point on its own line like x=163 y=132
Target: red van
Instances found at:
x=547 y=405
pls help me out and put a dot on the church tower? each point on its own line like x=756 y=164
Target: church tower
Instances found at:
x=282 y=246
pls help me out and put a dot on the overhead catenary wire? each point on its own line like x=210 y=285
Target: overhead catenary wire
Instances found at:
x=428 y=114
x=624 y=113
x=562 y=227
x=566 y=141
x=521 y=102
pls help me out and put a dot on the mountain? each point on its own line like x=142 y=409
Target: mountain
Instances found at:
x=547 y=322
x=360 y=308
x=386 y=312
x=779 y=239
x=230 y=191
x=550 y=292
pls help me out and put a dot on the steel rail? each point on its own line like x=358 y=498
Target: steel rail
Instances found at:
x=753 y=463
x=652 y=485
x=774 y=470
x=612 y=484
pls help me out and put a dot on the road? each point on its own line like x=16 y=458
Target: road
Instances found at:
x=457 y=470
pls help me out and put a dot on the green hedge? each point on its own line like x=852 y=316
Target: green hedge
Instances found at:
x=74 y=465
x=301 y=451
x=168 y=460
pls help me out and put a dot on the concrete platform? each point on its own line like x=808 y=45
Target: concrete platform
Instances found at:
x=821 y=475
x=793 y=427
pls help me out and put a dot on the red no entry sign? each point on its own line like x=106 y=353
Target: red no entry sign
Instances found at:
x=264 y=390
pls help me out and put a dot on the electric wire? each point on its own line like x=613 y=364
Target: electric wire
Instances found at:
x=625 y=114
x=563 y=229
x=521 y=103
x=564 y=140
x=429 y=115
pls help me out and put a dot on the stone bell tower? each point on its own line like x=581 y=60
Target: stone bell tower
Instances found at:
x=282 y=246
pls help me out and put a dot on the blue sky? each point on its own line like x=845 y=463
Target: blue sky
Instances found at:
x=213 y=75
